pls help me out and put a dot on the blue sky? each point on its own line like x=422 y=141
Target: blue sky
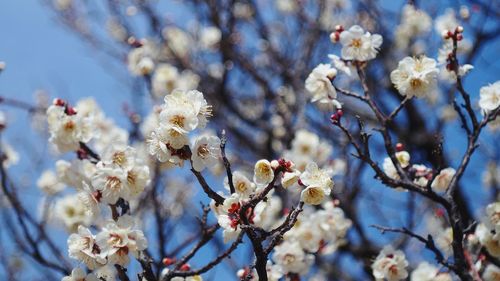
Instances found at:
x=41 y=54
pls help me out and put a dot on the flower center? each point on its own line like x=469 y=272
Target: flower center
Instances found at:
x=178 y=120
x=131 y=177
x=203 y=151
x=113 y=182
x=119 y=158
x=241 y=186
x=415 y=83
x=356 y=43
x=289 y=258
x=69 y=126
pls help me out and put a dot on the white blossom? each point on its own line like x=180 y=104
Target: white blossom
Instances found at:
x=75 y=173
x=292 y=258
x=119 y=239
x=167 y=78
x=443 y=179
x=263 y=172
x=82 y=247
x=228 y=217
x=428 y=272
x=242 y=185
x=120 y=174
x=414 y=22
x=141 y=60
x=318 y=184
x=178 y=41
x=286 y=6
x=10 y=155
x=491 y=273
x=415 y=76
x=49 y=183
x=209 y=37
x=78 y=274
x=341 y=65
x=390 y=264
x=319 y=83
x=205 y=152
x=489 y=97
x=359 y=45
x=71 y=212
x=68 y=128
x=446 y=22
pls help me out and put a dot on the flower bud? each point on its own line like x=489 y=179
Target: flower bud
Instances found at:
x=59 y=102
x=168 y=261
x=445 y=35
x=400 y=147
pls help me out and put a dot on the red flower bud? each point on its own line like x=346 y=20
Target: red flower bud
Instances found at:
x=59 y=102
x=400 y=147
x=168 y=261
x=70 y=110
x=185 y=267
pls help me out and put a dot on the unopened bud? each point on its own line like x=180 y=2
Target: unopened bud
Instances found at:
x=339 y=28
x=445 y=34
x=70 y=110
x=168 y=261
x=334 y=118
x=460 y=37
x=400 y=147
x=275 y=164
x=59 y=102
x=185 y=267
x=459 y=29
x=2 y=65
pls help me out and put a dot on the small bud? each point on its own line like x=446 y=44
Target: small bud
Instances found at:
x=400 y=147
x=340 y=113
x=460 y=37
x=439 y=212
x=82 y=154
x=70 y=110
x=445 y=35
x=339 y=28
x=58 y=102
x=332 y=37
x=334 y=118
x=2 y=66
x=185 y=267
x=168 y=261
x=275 y=164
x=459 y=29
